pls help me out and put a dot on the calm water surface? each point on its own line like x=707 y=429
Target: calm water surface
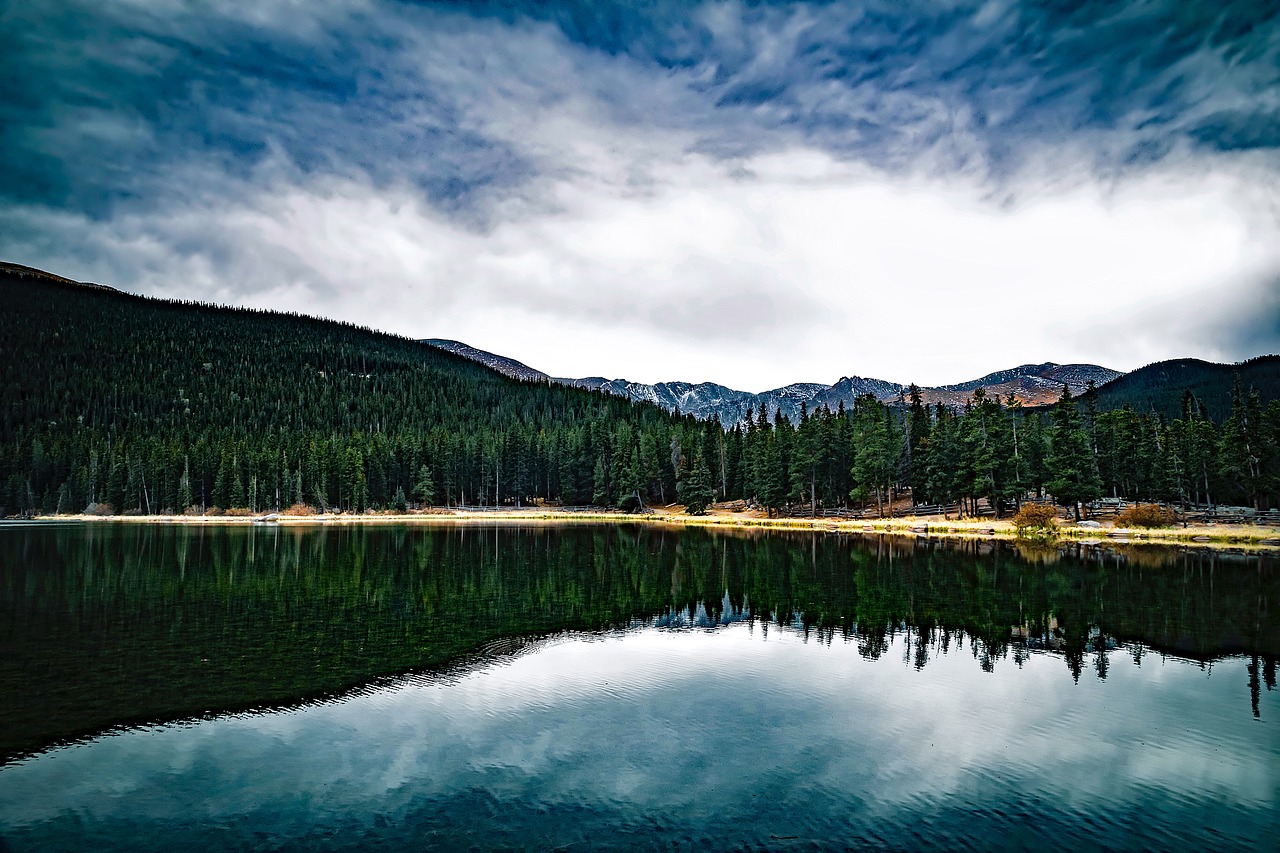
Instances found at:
x=628 y=687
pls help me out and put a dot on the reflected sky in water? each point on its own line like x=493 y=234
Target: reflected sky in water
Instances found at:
x=746 y=736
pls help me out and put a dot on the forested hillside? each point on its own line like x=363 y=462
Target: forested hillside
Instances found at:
x=134 y=405
x=1160 y=387
x=149 y=405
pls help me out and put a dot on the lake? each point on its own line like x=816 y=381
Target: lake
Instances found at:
x=628 y=686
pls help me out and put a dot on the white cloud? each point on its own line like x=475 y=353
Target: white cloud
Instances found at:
x=781 y=268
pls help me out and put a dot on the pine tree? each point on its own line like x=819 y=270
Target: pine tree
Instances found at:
x=916 y=424
x=772 y=468
x=696 y=490
x=1016 y=467
x=631 y=483
x=1270 y=449
x=221 y=484
x=808 y=456
x=1238 y=457
x=235 y=489
x=601 y=495
x=1073 y=471
x=877 y=449
x=184 y=486
x=424 y=487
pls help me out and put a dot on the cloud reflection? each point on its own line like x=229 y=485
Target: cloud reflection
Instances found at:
x=691 y=729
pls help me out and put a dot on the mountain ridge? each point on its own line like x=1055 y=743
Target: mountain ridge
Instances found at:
x=22 y=271
x=1031 y=384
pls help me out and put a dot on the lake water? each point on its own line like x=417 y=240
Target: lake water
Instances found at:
x=628 y=687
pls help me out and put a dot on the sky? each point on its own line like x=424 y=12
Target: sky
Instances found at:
x=746 y=193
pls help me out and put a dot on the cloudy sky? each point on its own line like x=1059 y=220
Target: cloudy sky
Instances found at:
x=746 y=193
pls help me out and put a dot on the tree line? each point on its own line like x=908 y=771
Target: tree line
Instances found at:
x=1000 y=453
x=151 y=406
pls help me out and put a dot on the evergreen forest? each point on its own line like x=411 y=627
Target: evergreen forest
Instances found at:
x=115 y=403
x=1162 y=387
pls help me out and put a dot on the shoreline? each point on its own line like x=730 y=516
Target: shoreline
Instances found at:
x=932 y=527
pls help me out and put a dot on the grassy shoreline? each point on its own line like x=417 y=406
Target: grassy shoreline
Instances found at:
x=1233 y=536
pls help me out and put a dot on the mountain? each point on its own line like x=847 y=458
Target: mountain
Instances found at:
x=150 y=405
x=1032 y=384
x=685 y=397
x=1003 y=377
x=1159 y=387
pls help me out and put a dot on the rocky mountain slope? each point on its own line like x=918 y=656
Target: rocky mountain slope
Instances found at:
x=502 y=364
x=1032 y=384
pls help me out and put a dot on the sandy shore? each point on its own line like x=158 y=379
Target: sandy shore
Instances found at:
x=1234 y=536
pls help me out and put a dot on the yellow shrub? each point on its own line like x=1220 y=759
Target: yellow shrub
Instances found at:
x=1036 y=520
x=1145 y=515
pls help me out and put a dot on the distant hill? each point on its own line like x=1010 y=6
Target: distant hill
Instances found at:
x=1032 y=384
x=1159 y=387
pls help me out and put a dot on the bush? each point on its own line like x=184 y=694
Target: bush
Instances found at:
x=99 y=509
x=299 y=509
x=1145 y=515
x=1036 y=520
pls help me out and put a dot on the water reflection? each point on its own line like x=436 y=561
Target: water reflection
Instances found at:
x=108 y=625
x=666 y=737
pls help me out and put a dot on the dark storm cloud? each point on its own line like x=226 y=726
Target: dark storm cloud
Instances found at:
x=111 y=98
x=1252 y=325
x=884 y=81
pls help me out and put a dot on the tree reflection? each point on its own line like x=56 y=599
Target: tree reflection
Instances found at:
x=110 y=624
